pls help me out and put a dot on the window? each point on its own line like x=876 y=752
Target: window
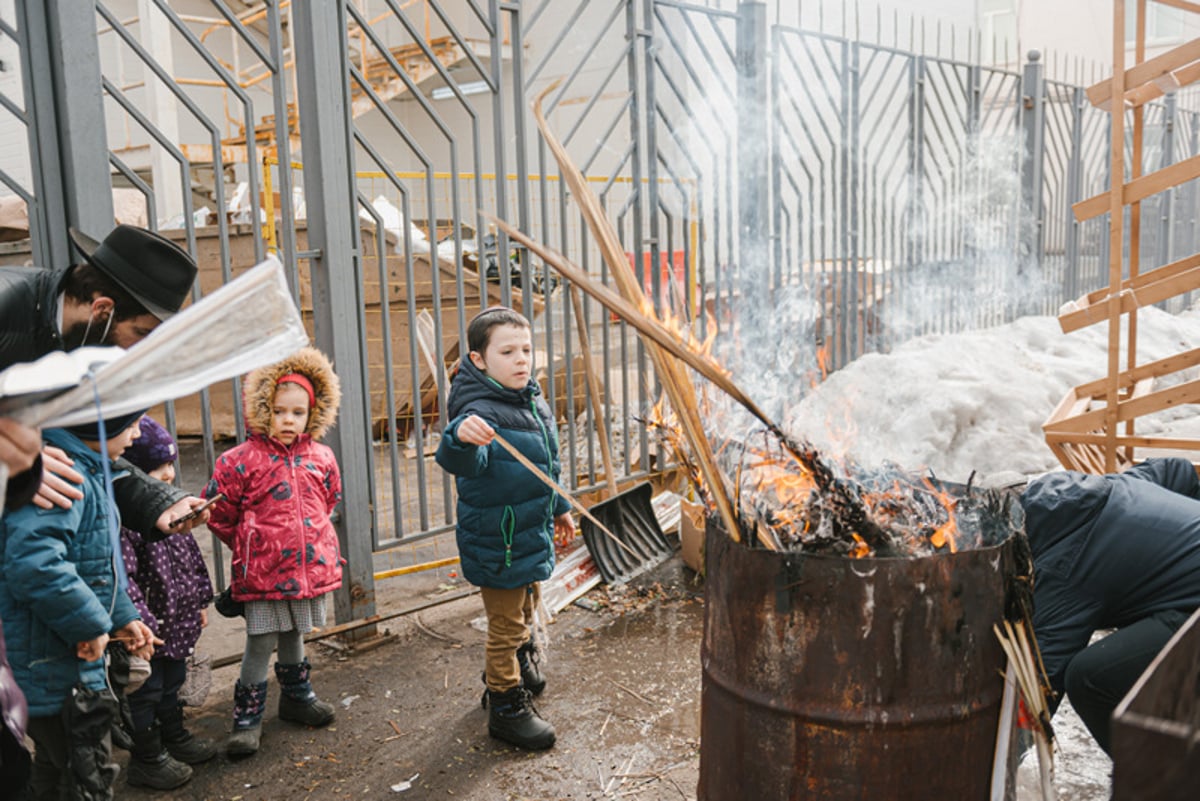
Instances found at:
x=1164 y=24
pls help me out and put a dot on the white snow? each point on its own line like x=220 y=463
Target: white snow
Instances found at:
x=977 y=400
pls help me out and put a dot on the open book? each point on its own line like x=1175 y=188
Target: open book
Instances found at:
x=250 y=322
x=29 y=383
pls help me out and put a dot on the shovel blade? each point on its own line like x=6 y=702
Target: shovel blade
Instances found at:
x=630 y=516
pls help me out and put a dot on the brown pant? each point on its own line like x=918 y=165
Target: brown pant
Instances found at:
x=509 y=614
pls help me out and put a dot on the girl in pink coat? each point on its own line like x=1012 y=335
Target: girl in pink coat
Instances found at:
x=280 y=486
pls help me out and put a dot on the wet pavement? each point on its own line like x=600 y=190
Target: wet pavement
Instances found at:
x=623 y=694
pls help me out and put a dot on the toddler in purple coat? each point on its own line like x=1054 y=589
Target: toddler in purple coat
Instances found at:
x=169 y=585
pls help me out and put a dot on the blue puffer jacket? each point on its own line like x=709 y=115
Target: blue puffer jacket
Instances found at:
x=505 y=514
x=58 y=587
x=1109 y=551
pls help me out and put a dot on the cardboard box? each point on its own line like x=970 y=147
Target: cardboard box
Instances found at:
x=691 y=534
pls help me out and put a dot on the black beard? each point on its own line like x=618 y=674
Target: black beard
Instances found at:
x=73 y=337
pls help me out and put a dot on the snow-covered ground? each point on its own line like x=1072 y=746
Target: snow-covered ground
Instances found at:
x=976 y=402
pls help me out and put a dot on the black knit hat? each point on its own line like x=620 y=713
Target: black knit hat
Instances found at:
x=153 y=269
x=112 y=426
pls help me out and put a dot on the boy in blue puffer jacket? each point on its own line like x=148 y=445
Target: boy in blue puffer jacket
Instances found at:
x=61 y=598
x=507 y=519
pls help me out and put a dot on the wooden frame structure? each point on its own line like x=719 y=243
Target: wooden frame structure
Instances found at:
x=1092 y=428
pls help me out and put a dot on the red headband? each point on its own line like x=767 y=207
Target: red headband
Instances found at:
x=301 y=381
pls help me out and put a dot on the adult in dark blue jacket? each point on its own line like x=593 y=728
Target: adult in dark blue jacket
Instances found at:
x=507 y=518
x=1120 y=552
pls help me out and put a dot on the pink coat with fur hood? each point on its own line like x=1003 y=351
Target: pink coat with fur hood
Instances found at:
x=278 y=498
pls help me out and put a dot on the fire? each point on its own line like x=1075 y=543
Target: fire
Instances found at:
x=823 y=360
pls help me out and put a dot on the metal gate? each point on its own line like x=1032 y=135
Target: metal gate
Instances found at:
x=836 y=196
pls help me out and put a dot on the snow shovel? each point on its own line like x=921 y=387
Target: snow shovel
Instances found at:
x=640 y=543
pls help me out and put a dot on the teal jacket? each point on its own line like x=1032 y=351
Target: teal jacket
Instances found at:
x=506 y=515
x=58 y=587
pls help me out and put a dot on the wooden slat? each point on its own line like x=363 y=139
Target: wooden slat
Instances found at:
x=1142 y=279
x=1186 y=5
x=1146 y=295
x=1140 y=188
x=1124 y=440
x=1099 y=93
x=1155 y=369
x=1188 y=392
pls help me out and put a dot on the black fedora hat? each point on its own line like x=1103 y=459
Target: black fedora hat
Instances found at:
x=155 y=270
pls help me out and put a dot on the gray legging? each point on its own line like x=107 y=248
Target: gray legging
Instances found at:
x=257 y=656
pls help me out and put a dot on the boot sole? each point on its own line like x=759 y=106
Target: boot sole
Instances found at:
x=193 y=759
x=540 y=744
x=133 y=780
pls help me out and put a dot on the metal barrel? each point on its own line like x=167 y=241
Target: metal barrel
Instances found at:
x=835 y=678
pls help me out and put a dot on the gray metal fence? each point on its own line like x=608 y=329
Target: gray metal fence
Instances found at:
x=844 y=195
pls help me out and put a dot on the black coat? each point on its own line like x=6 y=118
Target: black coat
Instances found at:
x=28 y=313
x=1109 y=551
x=28 y=331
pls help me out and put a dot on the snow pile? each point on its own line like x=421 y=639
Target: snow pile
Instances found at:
x=977 y=401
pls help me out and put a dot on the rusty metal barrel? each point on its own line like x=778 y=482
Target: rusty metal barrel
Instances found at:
x=835 y=678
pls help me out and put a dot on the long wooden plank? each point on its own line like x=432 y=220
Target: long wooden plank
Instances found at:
x=1098 y=438
x=1140 y=188
x=1099 y=93
x=1142 y=279
x=1148 y=295
x=1088 y=422
x=1155 y=369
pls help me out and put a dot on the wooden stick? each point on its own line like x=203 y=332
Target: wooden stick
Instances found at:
x=549 y=482
x=614 y=256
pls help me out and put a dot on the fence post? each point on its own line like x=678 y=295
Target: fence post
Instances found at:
x=1168 y=197
x=80 y=153
x=1033 y=123
x=1074 y=189
x=753 y=156
x=329 y=193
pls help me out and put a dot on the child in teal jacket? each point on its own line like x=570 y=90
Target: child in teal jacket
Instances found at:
x=61 y=600
x=507 y=518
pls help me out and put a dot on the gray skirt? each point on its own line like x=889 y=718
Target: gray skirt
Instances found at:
x=303 y=615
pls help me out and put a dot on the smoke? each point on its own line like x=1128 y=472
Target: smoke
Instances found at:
x=974 y=259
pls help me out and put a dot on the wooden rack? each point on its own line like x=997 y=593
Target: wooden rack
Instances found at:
x=1093 y=428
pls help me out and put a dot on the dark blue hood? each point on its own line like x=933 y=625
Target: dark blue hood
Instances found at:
x=471 y=385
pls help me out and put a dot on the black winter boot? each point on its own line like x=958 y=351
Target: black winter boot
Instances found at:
x=180 y=742
x=297 y=701
x=531 y=677
x=248 y=704
x=513 y=719
x=152 y=766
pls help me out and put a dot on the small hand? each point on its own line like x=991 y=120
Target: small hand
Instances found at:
x=169 y=521
x=564 y=529
x=60 y=482
x=138 y=638
x=203 y=618
x=91 y=650
x=474 y=431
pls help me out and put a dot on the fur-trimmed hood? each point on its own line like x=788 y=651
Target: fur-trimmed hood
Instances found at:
x=259 y=391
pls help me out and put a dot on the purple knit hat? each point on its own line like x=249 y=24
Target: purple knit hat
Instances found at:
x=153 y=448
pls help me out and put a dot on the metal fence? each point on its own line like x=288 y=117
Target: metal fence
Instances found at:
x=745 y=163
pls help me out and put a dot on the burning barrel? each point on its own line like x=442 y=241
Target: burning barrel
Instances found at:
x=831 y=677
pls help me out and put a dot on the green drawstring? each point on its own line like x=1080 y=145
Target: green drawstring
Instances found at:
x=508 y=522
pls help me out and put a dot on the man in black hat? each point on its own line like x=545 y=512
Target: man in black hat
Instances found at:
x=127 y=284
